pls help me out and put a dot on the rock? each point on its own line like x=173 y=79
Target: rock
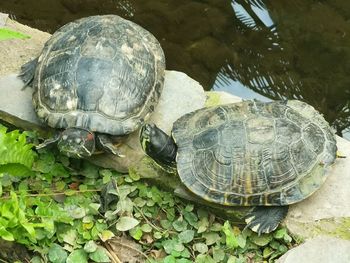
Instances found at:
x=328 y=210
x=181 y=94
x=16 y=106
x=15 y=52
x=319 y=250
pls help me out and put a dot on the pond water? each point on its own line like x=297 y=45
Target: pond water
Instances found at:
x=254 y=49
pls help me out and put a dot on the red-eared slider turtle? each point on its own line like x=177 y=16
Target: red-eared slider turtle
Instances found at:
x=266 y=155
x=97 y=76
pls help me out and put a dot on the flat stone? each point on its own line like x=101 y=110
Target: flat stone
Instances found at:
x=181 y=95
x=16 y=106
x=319 y=250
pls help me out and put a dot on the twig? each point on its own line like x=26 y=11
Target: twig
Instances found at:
x=132 y=248
x=113 y=256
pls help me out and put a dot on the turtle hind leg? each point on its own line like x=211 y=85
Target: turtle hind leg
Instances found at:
x=27 y=72
x=265 y=219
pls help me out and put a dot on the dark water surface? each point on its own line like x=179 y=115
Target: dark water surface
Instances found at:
x=254 y=49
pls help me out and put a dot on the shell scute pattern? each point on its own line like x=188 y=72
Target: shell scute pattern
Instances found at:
x=253 y=153
x=97 y=69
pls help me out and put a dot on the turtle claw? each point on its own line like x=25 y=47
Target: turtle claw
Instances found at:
x=265 y=219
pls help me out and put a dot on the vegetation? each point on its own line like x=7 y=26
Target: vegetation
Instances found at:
x=72 y=211
x=10 y=34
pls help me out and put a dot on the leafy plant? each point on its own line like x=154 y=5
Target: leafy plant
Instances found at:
x=72 y=211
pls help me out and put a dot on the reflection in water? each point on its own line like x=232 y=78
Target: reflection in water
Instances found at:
x=254 y=49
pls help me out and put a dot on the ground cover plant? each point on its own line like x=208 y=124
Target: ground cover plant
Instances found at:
x=67 y=210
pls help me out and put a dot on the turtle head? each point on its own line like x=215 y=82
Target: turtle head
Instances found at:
x=158 y=145
x=76 y=142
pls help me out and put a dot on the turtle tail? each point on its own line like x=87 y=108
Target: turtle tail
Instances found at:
x=265 y=219
x=27 y=72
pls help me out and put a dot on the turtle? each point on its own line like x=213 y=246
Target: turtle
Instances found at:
x=263 y=155
x=96 y=80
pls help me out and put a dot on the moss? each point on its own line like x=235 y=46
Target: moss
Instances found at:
x=335 y=227
x=213 y=99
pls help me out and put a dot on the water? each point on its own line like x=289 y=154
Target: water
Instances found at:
x=254 y=49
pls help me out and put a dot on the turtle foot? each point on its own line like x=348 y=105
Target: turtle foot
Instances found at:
x=27 y=72
x=265 y=219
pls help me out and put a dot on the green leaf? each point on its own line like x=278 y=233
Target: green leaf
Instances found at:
x=6 y=34
x=231 y=259
x=136 y=233
x=218 y=254
x=166 y=224
x=189 y=207
x=280 y=233
x=241 y=240
x=106 y=235
x=76 y=256
x=169 y=259
x=200 y=247
x=100 y=255
x=282 y=248
x=57 y=254
x=146 y=228
x=231 y=240
x=203 y=225
x=261 y=240
x=191 y=218
x=126 y=223
x=180 y=224
x=157 y=235
x=90 y=246
x=211 y=237
x=186 y=236
x=171 y=245
x=267 y=252
x=75 y=211
x=183 y=260
x=204 y=259
x=4 y=234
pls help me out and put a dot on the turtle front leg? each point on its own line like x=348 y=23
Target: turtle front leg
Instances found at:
x=107 y=144
x=158 y=145
x=265 y=219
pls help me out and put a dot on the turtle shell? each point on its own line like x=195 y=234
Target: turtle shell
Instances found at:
x=102 y=73
x=254 y=153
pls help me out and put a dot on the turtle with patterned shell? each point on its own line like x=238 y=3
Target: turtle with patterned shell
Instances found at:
x=97 y=79
x=266 y=155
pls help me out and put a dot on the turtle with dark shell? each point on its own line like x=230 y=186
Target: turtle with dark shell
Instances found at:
x=264 y=155
x=97 y=79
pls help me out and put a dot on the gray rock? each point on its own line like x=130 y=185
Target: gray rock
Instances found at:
x=328 y=210
x=181 y=94
x=16 y=104
x=319 y=250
